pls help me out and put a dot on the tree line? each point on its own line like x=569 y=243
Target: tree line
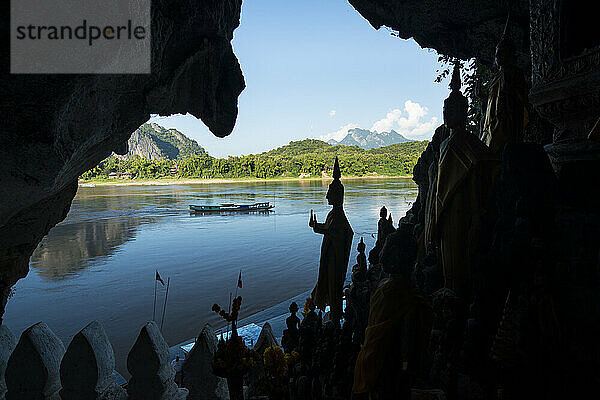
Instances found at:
x=307 y=157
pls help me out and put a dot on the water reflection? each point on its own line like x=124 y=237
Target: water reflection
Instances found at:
x=72 y=247
x=99 y=264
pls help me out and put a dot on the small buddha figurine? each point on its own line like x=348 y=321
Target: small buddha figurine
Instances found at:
x=385 y=226
x=358 y=296
x=382 y=224
x=290 y=339
x=506 y=113
x=335 y=249
x=465 y=181
x=361 y=261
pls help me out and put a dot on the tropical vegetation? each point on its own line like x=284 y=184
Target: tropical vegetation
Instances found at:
x=302 y=158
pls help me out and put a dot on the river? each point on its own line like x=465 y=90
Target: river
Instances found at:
x=100 y=262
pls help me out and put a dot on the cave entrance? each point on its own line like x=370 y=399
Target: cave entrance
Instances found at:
x=130 y=216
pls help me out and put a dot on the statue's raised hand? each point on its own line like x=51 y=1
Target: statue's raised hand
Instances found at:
x=313 y=219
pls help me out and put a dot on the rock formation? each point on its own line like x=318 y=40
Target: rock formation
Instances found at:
x=463 y=29
x=152 y=141
x=58 y=126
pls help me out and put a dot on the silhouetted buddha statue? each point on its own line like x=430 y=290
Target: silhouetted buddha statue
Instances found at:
x=335 y=250
x=290 y=339
x=506 y=113
x=385 y=226
x=357 y=299
x=466 y=172
x=361 y=261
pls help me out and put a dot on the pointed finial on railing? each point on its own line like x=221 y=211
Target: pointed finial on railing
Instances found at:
x=266 y=339
x=152 y=376
x=33 y=368
x=86 y=370
x=197 y=373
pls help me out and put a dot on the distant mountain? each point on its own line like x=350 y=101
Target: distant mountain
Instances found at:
x=152 y=141
x=369 y=140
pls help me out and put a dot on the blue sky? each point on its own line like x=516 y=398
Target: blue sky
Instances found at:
x=315 y=68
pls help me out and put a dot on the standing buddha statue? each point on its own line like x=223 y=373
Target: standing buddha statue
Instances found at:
x=335 y=249
x=506 y=113
x=466 y=172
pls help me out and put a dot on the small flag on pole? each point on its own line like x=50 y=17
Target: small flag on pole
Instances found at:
x=240 y=280
x=158 y=278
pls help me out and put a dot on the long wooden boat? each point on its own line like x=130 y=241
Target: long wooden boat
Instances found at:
x=265 y=206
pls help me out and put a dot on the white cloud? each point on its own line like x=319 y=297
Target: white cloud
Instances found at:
x=340 y=133
x=332 y=113
x=409 y=122
x=387 y=124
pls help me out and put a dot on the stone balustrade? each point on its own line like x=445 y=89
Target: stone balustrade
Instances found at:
x=37 y=366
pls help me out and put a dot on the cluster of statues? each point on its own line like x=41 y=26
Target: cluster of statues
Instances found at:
x=395 y=334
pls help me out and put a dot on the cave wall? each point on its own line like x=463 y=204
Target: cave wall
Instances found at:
x=54 y=127
x=531 y=326
x=459 y=28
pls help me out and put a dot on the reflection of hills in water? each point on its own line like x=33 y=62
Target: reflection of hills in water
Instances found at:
x=69 y=248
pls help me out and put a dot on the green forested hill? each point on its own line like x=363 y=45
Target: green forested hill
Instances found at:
x=309 y=157
x=300 y=147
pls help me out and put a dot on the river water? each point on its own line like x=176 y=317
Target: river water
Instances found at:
x=100 y=262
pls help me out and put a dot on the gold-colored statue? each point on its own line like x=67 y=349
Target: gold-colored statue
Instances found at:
x=335 y=250
x=466 y=172
x=506 y=113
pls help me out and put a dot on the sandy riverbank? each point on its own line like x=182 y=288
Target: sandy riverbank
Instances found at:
x=191 y=181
